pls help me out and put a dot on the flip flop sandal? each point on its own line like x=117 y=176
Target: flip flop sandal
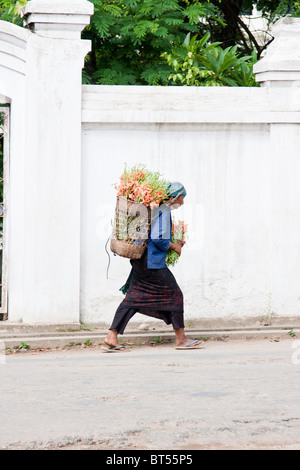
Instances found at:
x=114 y=348
x=192 y=345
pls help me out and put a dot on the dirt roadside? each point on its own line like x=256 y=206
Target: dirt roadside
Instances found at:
x=242 y=394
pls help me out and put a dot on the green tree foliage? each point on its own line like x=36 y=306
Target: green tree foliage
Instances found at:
x=200 y=63
x=10 y=10
x=129 y=36
x=273 y=9
x=236 y=31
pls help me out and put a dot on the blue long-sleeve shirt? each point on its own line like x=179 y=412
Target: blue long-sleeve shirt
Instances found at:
x=160 y=238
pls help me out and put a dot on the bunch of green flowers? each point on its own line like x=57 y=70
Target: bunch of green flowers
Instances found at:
x=179 y=231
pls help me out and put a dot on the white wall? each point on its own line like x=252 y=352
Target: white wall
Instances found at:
x=40 y=75
x=235 y=149
x=229 y=147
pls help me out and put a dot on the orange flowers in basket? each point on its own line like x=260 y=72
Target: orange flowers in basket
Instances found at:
x=142 y=186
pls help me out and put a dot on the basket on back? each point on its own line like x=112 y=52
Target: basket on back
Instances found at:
x=130 y=229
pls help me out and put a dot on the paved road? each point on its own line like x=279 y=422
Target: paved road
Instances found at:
x=229 y=395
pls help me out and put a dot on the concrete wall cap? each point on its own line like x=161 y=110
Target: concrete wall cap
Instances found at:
x=287 y=26
x=60 y=19
x=57 y=7
x=11 y=29
x=282 y=55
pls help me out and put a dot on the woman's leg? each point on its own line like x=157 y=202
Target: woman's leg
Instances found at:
x=121 y=318
x=177 y=320
x=178 y=325
x=182 y=340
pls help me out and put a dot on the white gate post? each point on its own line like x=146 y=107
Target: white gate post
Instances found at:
x=280 y=67
x=279 y=73
x=55 y=58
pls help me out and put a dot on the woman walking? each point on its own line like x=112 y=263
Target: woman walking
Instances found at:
x=151 y=287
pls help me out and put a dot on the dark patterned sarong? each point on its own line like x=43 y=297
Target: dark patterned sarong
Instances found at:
x=152 y=292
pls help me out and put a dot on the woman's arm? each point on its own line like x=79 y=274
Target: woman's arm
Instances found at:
x=161 y=229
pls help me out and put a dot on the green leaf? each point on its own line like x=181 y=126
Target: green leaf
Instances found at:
x=162 y=32
x=229 y=81
x=187 y=40
x=102 y=22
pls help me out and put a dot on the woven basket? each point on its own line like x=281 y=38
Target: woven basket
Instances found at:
x=131 y=229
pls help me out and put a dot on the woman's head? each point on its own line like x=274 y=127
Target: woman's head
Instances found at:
x=176 y=192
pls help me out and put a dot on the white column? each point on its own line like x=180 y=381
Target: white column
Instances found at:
x=280 y=67
x=55 y=58
x=279 y=72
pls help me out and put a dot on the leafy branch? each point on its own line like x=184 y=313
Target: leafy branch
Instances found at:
x=198 y=63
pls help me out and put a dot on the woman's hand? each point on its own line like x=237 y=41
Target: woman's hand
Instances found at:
x=175 y=247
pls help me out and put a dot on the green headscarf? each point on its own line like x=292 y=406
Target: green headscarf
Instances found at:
x=176 y=190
